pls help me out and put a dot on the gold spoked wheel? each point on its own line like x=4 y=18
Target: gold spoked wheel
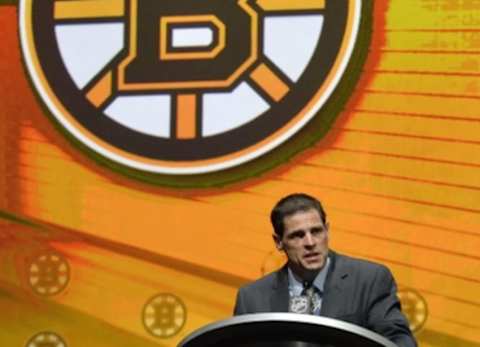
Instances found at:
x=164 y=315
x=414 y=306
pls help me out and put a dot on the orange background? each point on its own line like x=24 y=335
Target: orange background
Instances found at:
x=399 y=174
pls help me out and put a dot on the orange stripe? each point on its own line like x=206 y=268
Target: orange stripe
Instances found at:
x=285 y=5
x=412 y=245
x=88 y=9
x=101 y=91
x=186 y=116
x=461 y=94
x=417 y=115
x=269 y=82
x=402 y=156
x=396 y=177
x=424 y=73
x=386 y=261
x=429 y=138
x=387 y=196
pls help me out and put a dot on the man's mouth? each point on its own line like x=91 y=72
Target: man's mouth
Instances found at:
x=311 y=255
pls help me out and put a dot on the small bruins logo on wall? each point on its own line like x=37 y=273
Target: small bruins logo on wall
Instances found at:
x=184 y=87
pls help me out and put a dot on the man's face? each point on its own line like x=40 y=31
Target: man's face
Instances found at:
x=305 y=242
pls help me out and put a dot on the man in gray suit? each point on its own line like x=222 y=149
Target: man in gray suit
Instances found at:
x=318 y=281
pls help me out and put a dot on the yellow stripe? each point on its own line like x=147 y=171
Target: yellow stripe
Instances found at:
x=186 y=116
x=439 y=84
x=284 y=5
x=429 y=41
x=88 y=9
x=428 y=15
x=430 y=195
x=421 y=104
x=454 y=129
x=101 y=91
x=416 y=169
x=269 y=82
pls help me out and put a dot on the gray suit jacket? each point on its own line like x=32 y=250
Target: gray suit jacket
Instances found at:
x=356 y=291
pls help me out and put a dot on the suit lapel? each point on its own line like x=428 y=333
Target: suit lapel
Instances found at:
x=332 y=301
x=280 y=297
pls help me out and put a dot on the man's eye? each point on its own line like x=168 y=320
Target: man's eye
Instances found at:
x=298 y=235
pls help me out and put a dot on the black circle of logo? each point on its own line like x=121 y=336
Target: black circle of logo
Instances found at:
x=183 y=87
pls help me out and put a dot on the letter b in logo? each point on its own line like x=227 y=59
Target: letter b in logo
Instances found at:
x=187 y=44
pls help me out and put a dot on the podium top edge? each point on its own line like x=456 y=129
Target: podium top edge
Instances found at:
x=293 y=318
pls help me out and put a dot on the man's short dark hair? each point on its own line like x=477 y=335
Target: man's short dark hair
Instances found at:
x=292 y=204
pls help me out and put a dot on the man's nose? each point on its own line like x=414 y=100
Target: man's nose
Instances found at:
x=309 y=239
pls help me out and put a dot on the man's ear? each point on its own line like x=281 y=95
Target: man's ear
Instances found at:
x=278 y=242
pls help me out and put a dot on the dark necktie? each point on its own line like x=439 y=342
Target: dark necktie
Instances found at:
x=309 y=292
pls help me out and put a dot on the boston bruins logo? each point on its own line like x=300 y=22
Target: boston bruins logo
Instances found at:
x=183 y=87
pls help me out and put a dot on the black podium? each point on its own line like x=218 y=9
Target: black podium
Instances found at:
x=283 y=330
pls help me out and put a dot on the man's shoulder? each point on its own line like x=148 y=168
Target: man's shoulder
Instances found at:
x=258 y=296
x=265 y=282
x=358 y=264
